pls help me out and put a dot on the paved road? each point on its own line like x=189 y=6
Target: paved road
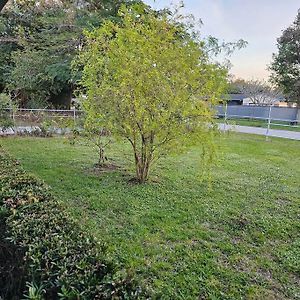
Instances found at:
x=286 y=134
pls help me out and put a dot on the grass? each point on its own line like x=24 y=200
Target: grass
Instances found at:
x=238 y=239
x=280 y=125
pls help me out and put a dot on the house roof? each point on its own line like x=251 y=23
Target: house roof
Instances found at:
x=236 y=97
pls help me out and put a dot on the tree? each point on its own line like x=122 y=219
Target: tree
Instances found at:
x=152 y=83
x=258 y=91
x=39 y=40
x=285 y=66
x=99 y=137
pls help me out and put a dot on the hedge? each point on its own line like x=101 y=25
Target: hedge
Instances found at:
x=43 y=252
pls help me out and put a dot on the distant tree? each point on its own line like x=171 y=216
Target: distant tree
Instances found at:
x=285 y=66
x=258 y=91
x=233 y=83
x=150 y=82
x=39 y=39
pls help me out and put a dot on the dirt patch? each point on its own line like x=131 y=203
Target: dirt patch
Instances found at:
x=239 y=222
x=134 y=181
x=106 y=167
x=99 y=169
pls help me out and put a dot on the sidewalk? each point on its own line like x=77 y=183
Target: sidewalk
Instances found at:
x=286 y=134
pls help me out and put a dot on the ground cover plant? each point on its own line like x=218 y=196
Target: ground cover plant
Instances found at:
x=238 y=239
x=43 y=253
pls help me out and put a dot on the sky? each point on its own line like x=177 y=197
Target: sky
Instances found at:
x=259 y=22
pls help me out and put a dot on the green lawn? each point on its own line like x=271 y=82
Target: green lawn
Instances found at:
x=238 y=239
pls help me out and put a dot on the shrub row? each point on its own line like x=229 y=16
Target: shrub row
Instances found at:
x=43 y=252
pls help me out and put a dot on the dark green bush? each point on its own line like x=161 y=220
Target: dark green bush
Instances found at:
x=18 y=188
x=22 y=189
x=43 y=247
x=11 y=263
x=60 y=257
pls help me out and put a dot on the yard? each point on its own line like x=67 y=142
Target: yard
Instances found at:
x=236 y=236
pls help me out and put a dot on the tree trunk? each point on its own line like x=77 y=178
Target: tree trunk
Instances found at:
x=143 y=157
x=142 y=165
x=101 y=156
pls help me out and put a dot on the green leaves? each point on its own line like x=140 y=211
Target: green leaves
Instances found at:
x=150 y=84
x=285 y=67
x=40 y=40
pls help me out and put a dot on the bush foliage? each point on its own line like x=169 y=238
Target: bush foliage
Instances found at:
x=5 y=119
x=43 y=253
x=151 y=83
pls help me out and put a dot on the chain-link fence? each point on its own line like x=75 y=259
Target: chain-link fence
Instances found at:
x=260 y=116
x=20 y=120
x=28 y=120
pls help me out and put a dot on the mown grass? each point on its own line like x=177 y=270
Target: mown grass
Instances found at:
x=237 y=239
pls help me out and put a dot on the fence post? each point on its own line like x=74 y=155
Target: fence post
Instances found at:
x=74 y=116
x=12 y=108
x=225 y=116
x=14 y=121
x=298 y=116
x=269 y=122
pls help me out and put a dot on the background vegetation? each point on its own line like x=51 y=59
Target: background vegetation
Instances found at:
x=285 y=66
x=39 y=40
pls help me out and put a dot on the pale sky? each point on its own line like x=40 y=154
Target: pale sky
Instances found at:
x=259 y=22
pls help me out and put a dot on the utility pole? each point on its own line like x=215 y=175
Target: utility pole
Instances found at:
x=269 y=123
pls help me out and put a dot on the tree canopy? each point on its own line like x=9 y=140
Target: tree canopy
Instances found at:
x=150 y=82
x=285 y=66
x=39 y=40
